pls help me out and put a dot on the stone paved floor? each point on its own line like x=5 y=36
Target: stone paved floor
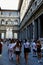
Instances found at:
x=4 y=60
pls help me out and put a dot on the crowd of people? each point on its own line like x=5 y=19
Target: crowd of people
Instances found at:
x=15 y=47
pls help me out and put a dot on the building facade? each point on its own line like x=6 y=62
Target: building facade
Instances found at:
x=26 y=23
x=9 y=23
x=31 y=26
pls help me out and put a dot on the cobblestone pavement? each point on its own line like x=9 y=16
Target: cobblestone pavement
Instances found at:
x=4 y=59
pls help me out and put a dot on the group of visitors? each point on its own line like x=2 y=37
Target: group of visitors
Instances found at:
x=15 y=47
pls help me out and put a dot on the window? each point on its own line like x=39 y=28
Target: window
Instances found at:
x=16 y=22
x=9 y=33
x=2 y=35
x=35 y=3
x=9 y=23
x=15 y=35
x=3 y=22
x=1 y=13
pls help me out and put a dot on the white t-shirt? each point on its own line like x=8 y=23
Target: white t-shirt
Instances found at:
x=11 y=45
x=17 y=49
x=34 y=45
x=26 y=45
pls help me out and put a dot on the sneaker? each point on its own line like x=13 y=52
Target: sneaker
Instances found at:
x=0 y=55
x=10 y=59
x=38 y=61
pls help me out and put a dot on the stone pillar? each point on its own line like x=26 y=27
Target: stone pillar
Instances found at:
x=39 y=28
x=0 y=35
x=13 y=34
x=21 y=35
x=26 y=32
x=0 y=21
x=4 y=35
x=33 y=30
x=18 y=35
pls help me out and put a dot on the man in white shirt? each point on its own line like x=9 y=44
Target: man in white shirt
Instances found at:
x=34 y=48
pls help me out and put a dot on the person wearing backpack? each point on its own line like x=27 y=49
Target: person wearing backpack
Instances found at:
x=26 y=50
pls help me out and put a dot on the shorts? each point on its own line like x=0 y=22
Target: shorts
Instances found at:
x=26 y=50
x=38 y=50
x=17 y=52
x=34 y=50
x=0 y=51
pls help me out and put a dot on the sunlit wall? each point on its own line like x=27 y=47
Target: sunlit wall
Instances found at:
x=24 y=8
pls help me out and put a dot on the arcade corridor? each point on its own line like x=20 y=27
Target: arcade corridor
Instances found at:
x=20 y=20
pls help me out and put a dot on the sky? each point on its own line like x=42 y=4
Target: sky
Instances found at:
x=9 y=4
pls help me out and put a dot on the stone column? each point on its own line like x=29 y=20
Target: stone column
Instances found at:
x=26 y=32
x=33 y=30
x=4 y=35
x=0 y=21
x=13 y=34
x=20 y=35
x=0 y=35
x=39 y=28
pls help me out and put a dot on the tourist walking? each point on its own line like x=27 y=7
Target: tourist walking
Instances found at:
x=26 y=50
x=39 y=51
x=11 y=49
x=34 y=48
x=18 y=51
